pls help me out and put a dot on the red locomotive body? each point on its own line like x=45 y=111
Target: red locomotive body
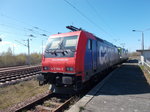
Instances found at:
x=66 y=65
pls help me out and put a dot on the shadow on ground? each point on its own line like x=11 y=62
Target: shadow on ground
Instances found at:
x=127 y=80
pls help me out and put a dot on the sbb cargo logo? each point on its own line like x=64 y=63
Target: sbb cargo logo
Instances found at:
x=102 y=55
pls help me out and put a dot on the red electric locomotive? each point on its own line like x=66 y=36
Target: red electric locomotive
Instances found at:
x=70 y=59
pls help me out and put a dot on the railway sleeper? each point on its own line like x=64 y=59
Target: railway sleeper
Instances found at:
x=20 y=69
x=12 y=78
x=2 y=80
x=5 y=77
x=17 y=72
x=50 y=103
x=44 y=108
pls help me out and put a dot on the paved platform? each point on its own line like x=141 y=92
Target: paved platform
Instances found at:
x=123 y=90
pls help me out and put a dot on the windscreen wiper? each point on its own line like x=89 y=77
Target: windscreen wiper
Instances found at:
x=51 y=51
x=68 y=50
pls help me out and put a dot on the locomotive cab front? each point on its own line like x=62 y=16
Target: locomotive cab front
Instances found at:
x=59 y=66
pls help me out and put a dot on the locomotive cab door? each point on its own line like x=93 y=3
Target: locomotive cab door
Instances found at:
x=90 y=58
x=94 y=54
x=92 y=46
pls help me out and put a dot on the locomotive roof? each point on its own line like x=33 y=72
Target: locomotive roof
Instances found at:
x=78 y=33
x=66 y=34
x=104 y=41
x=75 y=29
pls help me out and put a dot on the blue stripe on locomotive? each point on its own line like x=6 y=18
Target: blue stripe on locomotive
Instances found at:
x=100 y=57
x=88 y=59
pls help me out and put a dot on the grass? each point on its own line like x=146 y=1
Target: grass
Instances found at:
x=14 y=94
x=81 y=109
x=146 y=74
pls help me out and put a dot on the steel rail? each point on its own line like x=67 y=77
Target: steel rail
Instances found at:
x=64 y=105
x=59 y=106
x=21 y=68
x=6 y=68
x=8 y=76
x=40 y=99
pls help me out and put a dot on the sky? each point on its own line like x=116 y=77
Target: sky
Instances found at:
x=111 y=20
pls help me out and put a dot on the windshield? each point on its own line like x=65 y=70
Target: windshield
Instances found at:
x=61 y=47
x=62 y=43
x=53 y=43
x=70 y=42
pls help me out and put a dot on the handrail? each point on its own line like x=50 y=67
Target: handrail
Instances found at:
x=148 y=66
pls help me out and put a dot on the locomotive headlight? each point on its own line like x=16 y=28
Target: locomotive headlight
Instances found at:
x=46 y=68
x=69 y=69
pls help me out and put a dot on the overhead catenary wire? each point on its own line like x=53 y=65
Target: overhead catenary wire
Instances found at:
x=29 y=36
x=25 y=31
x=22 y=31
x=9 y=26
x=24 y=23
x=28 y=32
x=8 y=32
x=95 y=11
x=100 y=17
x=37 y=33
x=83 y=15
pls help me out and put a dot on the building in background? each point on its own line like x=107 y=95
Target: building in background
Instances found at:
x=145 y=56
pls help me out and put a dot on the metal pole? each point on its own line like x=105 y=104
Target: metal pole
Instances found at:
x=142 y=40
x=13 y=49
x=42 y=46
x=28 y=40
x=142 y=57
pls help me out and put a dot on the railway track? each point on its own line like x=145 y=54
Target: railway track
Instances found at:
x=12 y=74
x=52 y=102
x=56 y=103
x=9 y=68
x=43 y=103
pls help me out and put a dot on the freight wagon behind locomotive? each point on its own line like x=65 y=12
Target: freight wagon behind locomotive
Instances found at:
x=70 y=59
x=123 y=53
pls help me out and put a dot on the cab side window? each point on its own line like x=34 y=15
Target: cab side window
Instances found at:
x=90 y=44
